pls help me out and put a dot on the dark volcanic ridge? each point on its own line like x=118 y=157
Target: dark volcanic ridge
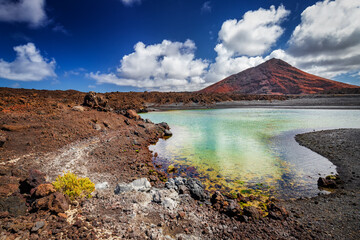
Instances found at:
x=274 y=77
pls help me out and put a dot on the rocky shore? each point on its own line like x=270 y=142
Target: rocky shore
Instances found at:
x=338 y=213
x=46 y=133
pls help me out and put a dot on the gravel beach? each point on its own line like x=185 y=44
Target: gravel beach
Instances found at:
x=336 y=214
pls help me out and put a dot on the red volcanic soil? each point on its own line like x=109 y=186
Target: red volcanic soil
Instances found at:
x=274 y=77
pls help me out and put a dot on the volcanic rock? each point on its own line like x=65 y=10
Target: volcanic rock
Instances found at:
x=251 y=211
x=34 y=179
x=327 y=183
x=56 y=202
x=132 y=114
x=96 y=101
x=3 y=139
x=274 y=77
x=141 y=184
x=43 y=190
x=277 y=212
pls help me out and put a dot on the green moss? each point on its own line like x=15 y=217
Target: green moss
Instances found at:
x=232 y=195
x=245 y=191
x=73 y=186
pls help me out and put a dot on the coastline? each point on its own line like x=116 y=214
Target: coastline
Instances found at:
x=336 y=213
x=322 y=102
x=53 y=134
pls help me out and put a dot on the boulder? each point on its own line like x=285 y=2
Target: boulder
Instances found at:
x=327 y=183
x=96 y=101
x=43 y=190
x=169 y=203
x=101 y=186
x=191 y=185
x=148 y=121
x=141 y=184
x=164 y=125
x=130 y=113
x=56 y=202
x=218 y=201
x=167 y=133
x=196 y=189
x=277 y=212
x=34 y=179
x=252 y=212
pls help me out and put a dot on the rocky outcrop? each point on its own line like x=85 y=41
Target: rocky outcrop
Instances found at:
x=96 y=101
x=130 y=113
x=330 y=181
x=191 y=185
x=141 y=184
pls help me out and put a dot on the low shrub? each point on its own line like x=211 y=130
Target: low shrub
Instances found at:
x=73 y=186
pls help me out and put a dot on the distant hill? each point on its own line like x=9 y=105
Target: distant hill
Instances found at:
x=274 y=77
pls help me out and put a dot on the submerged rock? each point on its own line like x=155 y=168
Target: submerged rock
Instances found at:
x=141 y=184
x=329 y=182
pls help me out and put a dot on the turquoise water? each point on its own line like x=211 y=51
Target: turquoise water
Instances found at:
x=233 y=149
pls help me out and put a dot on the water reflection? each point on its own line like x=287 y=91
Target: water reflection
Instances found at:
x=233 y=148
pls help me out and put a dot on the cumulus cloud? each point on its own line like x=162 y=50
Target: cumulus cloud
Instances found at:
x=29 y=11
x=255 y=33
x=29 y=65
x=243 y=42
x=327 y=41
x=130 y=2
x=165 y=66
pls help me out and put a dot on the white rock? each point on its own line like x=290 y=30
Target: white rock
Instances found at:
x=169 y=203
x=103 y=185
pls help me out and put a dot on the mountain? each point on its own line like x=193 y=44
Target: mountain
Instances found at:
x=274 y=77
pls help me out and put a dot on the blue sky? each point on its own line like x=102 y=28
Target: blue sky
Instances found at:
x=171 y=45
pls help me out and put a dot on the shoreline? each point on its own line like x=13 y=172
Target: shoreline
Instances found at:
x=323 y=102
x=113 y=148
x=336 y=213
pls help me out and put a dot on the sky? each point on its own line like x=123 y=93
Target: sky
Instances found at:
x=171 y=45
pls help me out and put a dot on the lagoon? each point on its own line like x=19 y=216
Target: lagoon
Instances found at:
x=237 y=149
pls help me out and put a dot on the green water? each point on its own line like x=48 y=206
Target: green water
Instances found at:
x=230 y=149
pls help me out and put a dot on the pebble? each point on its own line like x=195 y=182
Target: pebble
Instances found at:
x=37 y=226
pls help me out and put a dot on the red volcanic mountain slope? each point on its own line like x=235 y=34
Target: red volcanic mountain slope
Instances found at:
x=274 y=77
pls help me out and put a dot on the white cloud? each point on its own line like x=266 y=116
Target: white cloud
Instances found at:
x=29 y=65
x=30 y=11
x=327 y=41
x=165 y=66
x=206 y=7
x=130 y=2
x=255 y=33
x=60 y=29
x=242 y=42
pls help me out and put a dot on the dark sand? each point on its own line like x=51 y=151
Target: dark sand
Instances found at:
x=336 y=214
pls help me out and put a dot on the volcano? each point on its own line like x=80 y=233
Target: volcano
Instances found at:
x=274 y=77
